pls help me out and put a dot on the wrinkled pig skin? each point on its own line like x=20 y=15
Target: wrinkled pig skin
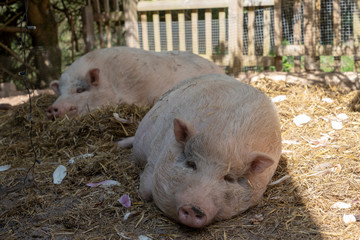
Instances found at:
x=122 y=75
x=209 y=147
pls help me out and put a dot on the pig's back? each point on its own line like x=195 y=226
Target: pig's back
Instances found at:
x=220 y=107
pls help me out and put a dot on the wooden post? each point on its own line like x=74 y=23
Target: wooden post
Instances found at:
x=99 y=22
x=156 y=24
x=297 y=33
x=311 y=63
x=194 y=31
x=131 y=27
x=107 y=23
x=208 y=33
x=222 y=31
x=251 y=31
x=169 y=39
x=236 y=20
x=88 y=28
x=181 y=20
x=144 y=31
x=278 y=32
x=337 y=33
x=356 y=27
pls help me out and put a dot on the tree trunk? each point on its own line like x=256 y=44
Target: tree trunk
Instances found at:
x=45 y=42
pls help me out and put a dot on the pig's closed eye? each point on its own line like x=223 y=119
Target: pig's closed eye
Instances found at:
x=191 y=164
x=244 y=182
x=80 y=90
x=229 y=178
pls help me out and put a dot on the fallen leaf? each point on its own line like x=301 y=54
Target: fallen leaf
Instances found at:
x=59 y=174
x=125 y=200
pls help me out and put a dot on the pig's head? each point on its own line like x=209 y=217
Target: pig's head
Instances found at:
x=205 y=180
x=76 y=93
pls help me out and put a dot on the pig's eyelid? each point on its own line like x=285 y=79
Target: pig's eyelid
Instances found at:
x=80 y=90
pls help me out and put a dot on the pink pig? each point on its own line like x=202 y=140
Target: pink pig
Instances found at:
x=209 y=147
x=122 y=75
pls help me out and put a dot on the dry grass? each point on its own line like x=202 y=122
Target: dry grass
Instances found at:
x=298 y=208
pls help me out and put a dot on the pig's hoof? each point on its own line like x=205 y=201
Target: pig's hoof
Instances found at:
x=125 y=143
x=192 y=216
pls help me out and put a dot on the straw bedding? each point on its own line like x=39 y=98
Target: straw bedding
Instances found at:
x=323 y=164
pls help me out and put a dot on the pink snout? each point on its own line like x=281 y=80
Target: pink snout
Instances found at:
x=52 y=112
x=55 y=112
x=192 y=216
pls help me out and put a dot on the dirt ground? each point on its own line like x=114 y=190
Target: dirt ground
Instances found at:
x=320 y=161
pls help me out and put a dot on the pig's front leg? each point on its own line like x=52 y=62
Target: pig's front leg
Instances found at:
x=146 y=182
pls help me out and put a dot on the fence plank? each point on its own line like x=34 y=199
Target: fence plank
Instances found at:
x=222 y=31
x=278 y=32
x=208 y=32
x=194 y=31
x=236 y=19
x=356 y=24
x=156 y=24
x=251 y=31
x=88 y=28
x=99 y=22
x=169 y=39
x=144 y=31
x=337 y=32
x=107 y=24
x=311 y=63
x=131 y=27
x=181 y=20
x=297 y=32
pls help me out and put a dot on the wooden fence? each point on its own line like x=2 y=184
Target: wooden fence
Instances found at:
x=134 y=21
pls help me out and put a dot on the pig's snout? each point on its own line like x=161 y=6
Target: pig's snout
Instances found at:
x=192 y=216
x=52 y=112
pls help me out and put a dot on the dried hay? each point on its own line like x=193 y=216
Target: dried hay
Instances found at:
x=297 y=208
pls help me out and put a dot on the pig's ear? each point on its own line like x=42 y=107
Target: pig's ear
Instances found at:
x=93 y=77
x=54 y=85
x=183 y=130
x=259 y=162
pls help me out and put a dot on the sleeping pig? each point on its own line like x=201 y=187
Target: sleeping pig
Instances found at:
x=122 y=75
x=209 y=147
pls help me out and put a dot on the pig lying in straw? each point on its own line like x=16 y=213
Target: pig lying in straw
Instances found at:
x=122 y=75
x=210 y=147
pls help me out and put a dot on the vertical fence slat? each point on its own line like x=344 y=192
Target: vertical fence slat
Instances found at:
x=181 y=19
x=337 y=33
x=266 y=32
x=235 y=22
x=194 y=31
x=144 y=31
x=222 y=31
x=278 y=32
x=208 y=32
x=107 y=23
x=88 y=28
x=356 y=24
x=311 y=63
x=251 y=31
x=156 y=24
x=131 y=21
x=169 y=39
x=297 y=32
x=99 y=22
